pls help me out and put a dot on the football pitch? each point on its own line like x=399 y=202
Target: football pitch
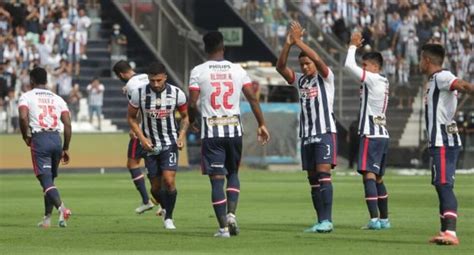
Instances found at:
x=274 y=210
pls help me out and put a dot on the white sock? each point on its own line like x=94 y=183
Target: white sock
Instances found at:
x=374 y=219
x=453 y=233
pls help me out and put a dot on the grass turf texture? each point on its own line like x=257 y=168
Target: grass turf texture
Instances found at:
x=275 y=208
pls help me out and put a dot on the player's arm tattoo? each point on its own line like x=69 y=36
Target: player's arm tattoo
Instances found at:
x=184 y=123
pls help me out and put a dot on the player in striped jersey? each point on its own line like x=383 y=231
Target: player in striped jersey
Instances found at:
x=374 y=137
x=157 y=102
x=132 y=81
x=443 y=138
x=41 y=113
x=218 y=83
x=315 y=86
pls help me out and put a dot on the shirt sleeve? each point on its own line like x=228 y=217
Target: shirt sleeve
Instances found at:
x=23 y=101
x=134 y=98
x=351 y=64
x=194 y=80
x=63 y=106
x=330 y=78
x=446 y=80
x=182 y=101
x=246 y=81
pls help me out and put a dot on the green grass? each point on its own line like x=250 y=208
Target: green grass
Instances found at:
x=274 y=210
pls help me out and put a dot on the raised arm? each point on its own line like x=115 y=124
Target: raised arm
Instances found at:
x=296 y=33
x=263 y=135
x=281 y=67
x=350 y=64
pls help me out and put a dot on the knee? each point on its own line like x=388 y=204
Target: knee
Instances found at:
x=169 y=184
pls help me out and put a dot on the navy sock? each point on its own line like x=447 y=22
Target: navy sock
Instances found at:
x=326 y=195
x=219 y=201
x=382 y=200
x=316 y=196
x=441 y=217
x=449 y=206
x=232 y=191
x=50 y=191
x=371 y=197
x=170 y=200
x=138 y=179
x=48 y=206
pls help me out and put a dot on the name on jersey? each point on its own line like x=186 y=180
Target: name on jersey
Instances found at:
x=223 y=121
x=47 y=101
x=309 y=93
x=221 y=76
x=43 y=93
x=158 y=113
x=218 y=67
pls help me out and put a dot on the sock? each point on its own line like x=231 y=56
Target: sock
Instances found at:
x=48 y=207
x=219 y=201
x=449 y=206
x=232 y=192
x=441 y=217
x=170 y=200
x=371 y=197
x=138 y=179
x=316 y=196
x=382 y=200
x=326 y=195
x=50 y=191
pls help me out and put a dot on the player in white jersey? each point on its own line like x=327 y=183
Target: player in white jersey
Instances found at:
x=374 y=137
x=133 y=81
x=218 y=83
x=40 y=114
x=157 y=102
x=444 y=143
x=315 y=86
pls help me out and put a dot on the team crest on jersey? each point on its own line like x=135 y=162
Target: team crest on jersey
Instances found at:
x=158 y=101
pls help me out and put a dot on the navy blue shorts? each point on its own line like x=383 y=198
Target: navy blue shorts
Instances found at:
x=317 y=150
x=46 y=150
x=443 y=164
x=135 y=150
x=372 y=155
x=221 y=156
x=166 y=160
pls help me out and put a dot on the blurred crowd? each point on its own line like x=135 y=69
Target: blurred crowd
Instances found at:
x=397 y=28
x=47 y=33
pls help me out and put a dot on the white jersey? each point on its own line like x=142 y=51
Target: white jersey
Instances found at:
x=219 y=84
x=158 y=112
x=44 y=109
x=440 y=107
x=373 y=99
x=316 y=100
x=137 y=80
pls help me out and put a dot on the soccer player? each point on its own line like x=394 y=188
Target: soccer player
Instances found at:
x=443 y=138
x=40 y=112
x=217 y=83
x=315 y=86
x=374 y=137
x=135 y=152
x=157 y=102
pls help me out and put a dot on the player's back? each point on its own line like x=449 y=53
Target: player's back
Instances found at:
x=135 y=82
x=44 y=109
x=220 y=84
x=374 y=101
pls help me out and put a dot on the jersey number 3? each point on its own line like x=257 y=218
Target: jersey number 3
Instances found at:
x=217 y=92
x=47 y=110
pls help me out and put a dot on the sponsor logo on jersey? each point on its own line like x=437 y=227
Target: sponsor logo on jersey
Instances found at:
x=223 y=121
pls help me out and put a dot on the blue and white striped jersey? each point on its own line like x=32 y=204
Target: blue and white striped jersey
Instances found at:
x=440 y=107
x=374 y=93
x=158 y=112
x=316 y=100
